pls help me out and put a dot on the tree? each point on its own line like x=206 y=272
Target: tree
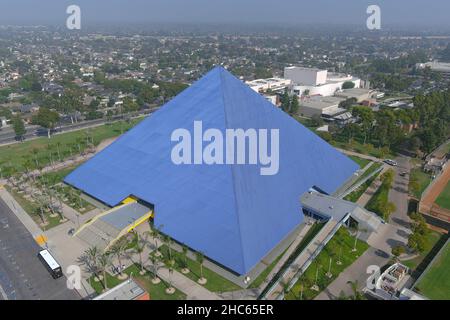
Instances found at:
x=294 y=105
x=357 y=294
x=285 y=101
x=417 y=242
x=351 y=130
x=104 y=260
x=346 y=104
x=348 y=85
x=118 y=250
x=139 y=248
x=46 y=118
x=185 y=252
x=91 y=259
x=367 y=117
x=316 y=120
x=200 y=259
x=170 y=265
x=414 y=184
x=19 y=127
x=388 y=178
x=418 y=239
x=154 y=261
x=397 y=251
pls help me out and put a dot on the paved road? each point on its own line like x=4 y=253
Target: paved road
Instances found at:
x=7 y=135
x=399 y=193
x=22 y=275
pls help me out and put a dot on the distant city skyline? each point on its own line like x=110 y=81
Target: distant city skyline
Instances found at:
x=418 y=13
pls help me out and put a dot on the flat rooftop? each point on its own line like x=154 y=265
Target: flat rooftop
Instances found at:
x=127 y=290
x=354 y=92
x=321 y=103
x=338 y=208
x=125 y=215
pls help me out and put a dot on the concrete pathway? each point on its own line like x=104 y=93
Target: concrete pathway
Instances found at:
x=192 y=289
x=15 y=207
x=360 y=155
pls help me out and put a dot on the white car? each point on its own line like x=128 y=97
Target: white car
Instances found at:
x=390 y=162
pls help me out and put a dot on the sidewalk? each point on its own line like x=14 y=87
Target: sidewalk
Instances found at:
x=26 y=220
x=360 y=155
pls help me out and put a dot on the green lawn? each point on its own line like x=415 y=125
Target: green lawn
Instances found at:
x=215 y=283
x=157 y=292
x=435 y=284
x=70 y=144
x=432 y=239
x=342 y=239
x=359 y=147
x=423 y=180
x=380 y=198
x=360 y=161
x=444 y=198
x=55 y=177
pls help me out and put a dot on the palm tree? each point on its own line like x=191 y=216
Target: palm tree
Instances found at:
x=154 y=235
x=200 y=259
x=104 y=260
x=170 y=265
x=168 y=242
x=118 y=250
x=357 y=295
x=139 y=248
x=58 y=149
x=35 y=153
x=91 y=259
x=50 y=148
x=185 y=252
x=154 y=260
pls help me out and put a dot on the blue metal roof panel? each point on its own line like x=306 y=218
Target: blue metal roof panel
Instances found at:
x=230 y=212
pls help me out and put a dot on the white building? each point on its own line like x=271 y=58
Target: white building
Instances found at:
x=318 y=106
x=435 y=66
x=316 y=81
x=273 y=84
x=306 y=76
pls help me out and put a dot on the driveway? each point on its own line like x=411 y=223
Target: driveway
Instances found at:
x=399 y=193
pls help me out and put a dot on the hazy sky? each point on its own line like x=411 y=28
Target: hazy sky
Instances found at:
x=398 y=12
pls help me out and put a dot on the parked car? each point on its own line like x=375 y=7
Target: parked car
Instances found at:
x=391 y=162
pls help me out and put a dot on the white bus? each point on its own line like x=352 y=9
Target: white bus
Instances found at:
x=50 y=263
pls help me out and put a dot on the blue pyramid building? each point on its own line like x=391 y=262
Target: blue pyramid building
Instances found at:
x=231 y=213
